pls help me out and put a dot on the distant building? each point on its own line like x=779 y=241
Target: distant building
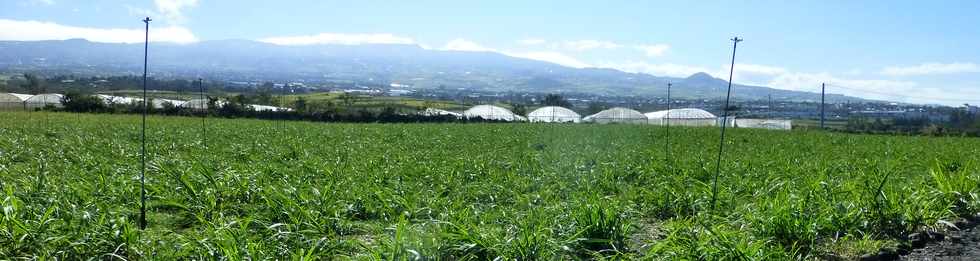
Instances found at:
x=399 y=92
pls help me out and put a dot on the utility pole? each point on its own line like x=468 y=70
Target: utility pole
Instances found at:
x=823 y=94
x=204 y=116
x=724 y=123
x=146 y=48
x=770 y=106
x=667 y=131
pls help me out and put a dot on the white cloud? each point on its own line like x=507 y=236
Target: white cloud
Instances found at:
x=931 y=68
x=40 y=2
x=460 y=44
x=14 y=30
x=167 y=11
x=532 y=41
x=552 y=57
x=585 y=45
x=336 y=38
x=758 y=69
x=782 y=78
x=753 y=74
x=812 y=81
x=653 y=50
x=663 y=69
x=173 y=10
x=880 y=89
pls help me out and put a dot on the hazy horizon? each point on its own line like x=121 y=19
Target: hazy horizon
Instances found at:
x=903 y=51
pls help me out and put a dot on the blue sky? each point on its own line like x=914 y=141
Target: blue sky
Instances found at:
x=900 y=50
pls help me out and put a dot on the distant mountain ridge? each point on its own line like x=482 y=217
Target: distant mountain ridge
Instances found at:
x=244 y=60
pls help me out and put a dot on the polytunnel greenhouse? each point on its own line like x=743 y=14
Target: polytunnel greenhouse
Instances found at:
x=257 y=107
x=13 y=100
x=764 y=124
x=200 y=104
x=553 y=114
x=112 y=100
x=158 y=103
x=490 y=112
x=682 y=117
x=43 y=100
x=433 y=112
x=617 y=115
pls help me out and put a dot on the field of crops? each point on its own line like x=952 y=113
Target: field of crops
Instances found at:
x=295 y=190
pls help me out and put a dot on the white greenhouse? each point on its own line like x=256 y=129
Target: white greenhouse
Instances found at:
x=490 y=112
x=113 y=100
x=433 y=112
x=617 y=115
x=13 y=100
x=158 y=103
x=42 y=100
x=120 y=100
x=682 y=117
x=764 y=124
x=200 y=104
x=257 y=107
x=553 y=114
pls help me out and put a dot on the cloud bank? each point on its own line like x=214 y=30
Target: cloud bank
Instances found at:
x=15 y=30
x=338 y=38
x=931 y=69
x=464 y=45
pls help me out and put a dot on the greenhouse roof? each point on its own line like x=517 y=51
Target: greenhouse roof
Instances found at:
x=490 y=112
x=618 y=113
x=439 y=112
x=21 y=97
x=686 y=113
x=553 y=114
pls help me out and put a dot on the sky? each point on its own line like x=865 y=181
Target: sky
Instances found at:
x=912 y=51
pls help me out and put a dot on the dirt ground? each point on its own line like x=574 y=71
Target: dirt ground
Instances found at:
x=958 y=245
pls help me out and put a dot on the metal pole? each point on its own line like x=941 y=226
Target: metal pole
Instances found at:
x=146 y=47
x=724 y=123
x=667 y=131
x=204 y=117
x=553 y=112
x=823 y=94
x=770 y=106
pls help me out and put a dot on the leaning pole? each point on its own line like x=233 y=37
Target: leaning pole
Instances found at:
x=724 y=123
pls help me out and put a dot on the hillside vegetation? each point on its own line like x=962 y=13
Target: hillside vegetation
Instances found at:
x=291 y=190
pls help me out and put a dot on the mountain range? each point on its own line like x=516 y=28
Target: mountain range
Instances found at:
x=377 y=64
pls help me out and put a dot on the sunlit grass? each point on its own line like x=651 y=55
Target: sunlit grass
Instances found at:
x=302 y=190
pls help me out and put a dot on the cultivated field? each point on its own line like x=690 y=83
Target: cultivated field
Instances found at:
x=293 y=190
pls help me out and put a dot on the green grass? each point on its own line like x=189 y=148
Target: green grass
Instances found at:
x=301 y=190
x=815 y=124
x=375 y=102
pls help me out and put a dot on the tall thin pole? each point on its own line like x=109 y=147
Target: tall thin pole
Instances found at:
x=770 y=106
x=724 y=123
x=823 y=94
x=667 y=130
x=146 y=47
x=204 y=117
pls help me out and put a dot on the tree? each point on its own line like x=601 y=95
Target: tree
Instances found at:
x=264 y=95
x=300 y=104
x=33 y=84
x=555 y=100
x=596 y=107
x=78 y=102
x=518 y=109
x=348 y=99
